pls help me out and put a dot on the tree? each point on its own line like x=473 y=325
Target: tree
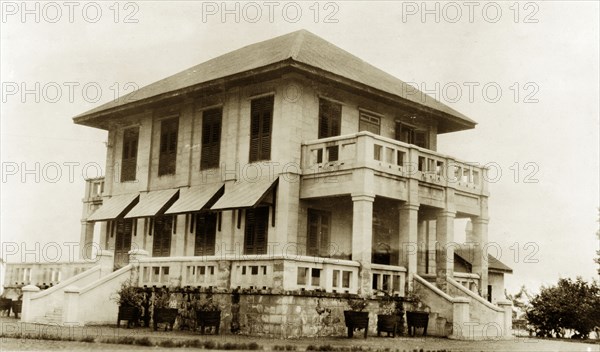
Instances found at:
x=572 y=304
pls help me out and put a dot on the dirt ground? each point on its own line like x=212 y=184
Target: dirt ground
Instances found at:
x=11 y=327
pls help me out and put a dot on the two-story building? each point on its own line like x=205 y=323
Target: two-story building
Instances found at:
x=289 y=165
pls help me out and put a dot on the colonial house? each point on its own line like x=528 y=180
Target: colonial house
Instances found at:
x=285 y=167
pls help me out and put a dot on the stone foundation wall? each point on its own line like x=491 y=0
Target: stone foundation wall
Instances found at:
x=288 y=315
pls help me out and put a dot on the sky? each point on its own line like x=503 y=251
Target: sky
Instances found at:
x=527 y=72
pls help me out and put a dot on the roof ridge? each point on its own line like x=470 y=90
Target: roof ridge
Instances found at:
x=295 y=49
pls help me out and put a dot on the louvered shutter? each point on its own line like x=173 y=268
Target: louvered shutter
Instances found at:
x=313 y=234
x=211 y=138
x=168 y=146
x=330 y=118
x=261 y=120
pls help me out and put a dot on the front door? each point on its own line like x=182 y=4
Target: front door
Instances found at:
x=123 y=242
x=318 y=233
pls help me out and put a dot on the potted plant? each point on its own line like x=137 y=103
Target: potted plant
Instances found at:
x=164 y=308
x=130 y=301
x=208 y=313
x=356 y=318
x=390 y=314
x=417 y=315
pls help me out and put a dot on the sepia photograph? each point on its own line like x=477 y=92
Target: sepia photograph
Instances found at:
x=371 y=176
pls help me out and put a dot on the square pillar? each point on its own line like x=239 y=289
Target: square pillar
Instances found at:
x=479 y=239
x=86 y=240
x=444 y=258
x=422 y=246
x=409 y=248
x=362 y=238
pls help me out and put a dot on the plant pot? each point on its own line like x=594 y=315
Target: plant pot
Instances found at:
x=417 y=320
x=165 y=315
x=356 y=320
x=129 y=313
x=387 y=323
x=208 y=319
x=16 y=307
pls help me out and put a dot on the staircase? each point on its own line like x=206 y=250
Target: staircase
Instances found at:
x=462 y=314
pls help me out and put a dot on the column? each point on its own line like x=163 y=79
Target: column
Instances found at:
x=85 y=240
x=479 y=239
x=422 y=229
x=444 y=262
x=362 y=238
x=409 y=226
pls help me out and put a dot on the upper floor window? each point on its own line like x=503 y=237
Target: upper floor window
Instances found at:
x=261 y=121
x=369 y=122
x=411 y=135
x=167 y=159
x=211 y=138
x=330 y=118
x=129 y=155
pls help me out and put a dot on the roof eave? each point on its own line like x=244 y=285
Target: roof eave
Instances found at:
x=447 y=122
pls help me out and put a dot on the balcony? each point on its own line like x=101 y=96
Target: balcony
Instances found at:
x=329 y=168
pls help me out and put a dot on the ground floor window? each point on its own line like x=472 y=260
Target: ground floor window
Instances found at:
x=163 y=228
x=123 y=241
x=255 y=233
x=206 y=229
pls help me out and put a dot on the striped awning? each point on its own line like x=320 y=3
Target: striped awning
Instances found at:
x=244 y=194
x=114 y=207
x=153 y=203
x=196 y=198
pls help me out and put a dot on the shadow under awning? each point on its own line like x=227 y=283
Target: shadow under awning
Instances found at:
x=245 y=194
x=114 y=207
x=153 y=203
x=196 y=198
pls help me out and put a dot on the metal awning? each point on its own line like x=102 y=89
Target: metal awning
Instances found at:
x=114 y=207
x=153 y=203
x=196 y=198
x=245 y=194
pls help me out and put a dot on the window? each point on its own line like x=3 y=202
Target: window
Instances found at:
x=330 y=118
x=211 y=139
x=255 y=234
x=206 y=228
x=168 y=146
x=411 y=135
x=161 y=244
x=261 y=121
x=369 y=122
x=318 y=233
x=124 y=228
x=129 y=156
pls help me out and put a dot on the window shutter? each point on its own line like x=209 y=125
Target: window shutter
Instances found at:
x=313 y=234
x=211 y=139
x=205 y=234
x=161 y=244
x=255 y=238
x=261 y=120
x=420 y=139
x=129 y=155
x=324 y=245
x=330 y=118
x=168 y=146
